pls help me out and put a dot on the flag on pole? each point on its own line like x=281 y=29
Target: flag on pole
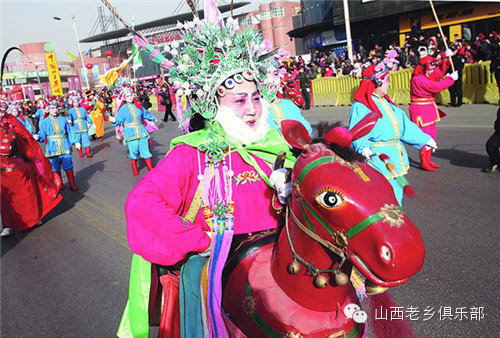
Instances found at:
x=137 y=61
x=70 y=55
x=111 y=75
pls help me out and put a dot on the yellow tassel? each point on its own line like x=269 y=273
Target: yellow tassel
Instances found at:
x=391 y=167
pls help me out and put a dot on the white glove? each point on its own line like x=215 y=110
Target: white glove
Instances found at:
x=283 y=189
x=454 y=75
x=112 y=119
x=432 y=144
x=78 y=145
x=448 y=52
x=367 y=153
x=35 y=136
x=155 y=120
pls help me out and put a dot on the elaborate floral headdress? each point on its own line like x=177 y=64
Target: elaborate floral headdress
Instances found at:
x=214 y=56
x=123 y=85
x=12 y=106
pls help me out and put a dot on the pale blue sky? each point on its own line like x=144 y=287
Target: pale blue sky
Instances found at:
x=25 y=21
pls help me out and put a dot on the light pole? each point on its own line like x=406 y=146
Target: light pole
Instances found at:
x=79 y=48
x=348 y=30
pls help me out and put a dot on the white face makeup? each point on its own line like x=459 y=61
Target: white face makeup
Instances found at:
x=129 y=97
x=244 y=100
x=382 y=89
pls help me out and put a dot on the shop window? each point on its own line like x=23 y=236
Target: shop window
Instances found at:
x=277 y=12
x=265 y=14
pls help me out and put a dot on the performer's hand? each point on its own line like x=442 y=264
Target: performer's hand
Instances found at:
x=448 y=53
x=35 y=136
x=454 y=75
x=112 y=119
x=78 y=145
x=432 y=144
x=367 y=153
x=283 y=188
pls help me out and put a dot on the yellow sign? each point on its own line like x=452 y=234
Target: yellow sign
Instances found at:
x=53 y=73
x=454 y=14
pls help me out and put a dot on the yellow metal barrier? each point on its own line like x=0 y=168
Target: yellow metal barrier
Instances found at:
x=478 y=85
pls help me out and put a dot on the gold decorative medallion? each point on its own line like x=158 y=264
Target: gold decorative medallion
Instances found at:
x=249 y=305
x=392 y=215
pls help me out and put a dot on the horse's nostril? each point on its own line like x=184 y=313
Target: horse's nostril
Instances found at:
x=386 y=253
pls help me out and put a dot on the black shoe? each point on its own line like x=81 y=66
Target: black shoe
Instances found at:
x=491 y=169
x=458 y=105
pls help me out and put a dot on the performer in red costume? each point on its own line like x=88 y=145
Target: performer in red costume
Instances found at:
x=426 y=83
x=29 y=188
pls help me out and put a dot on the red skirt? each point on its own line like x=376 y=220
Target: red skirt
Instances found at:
x=26 y=197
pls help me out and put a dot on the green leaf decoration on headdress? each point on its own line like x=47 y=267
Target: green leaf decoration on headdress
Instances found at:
x=208 y=55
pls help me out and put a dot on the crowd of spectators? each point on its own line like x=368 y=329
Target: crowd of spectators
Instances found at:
x=326 y=63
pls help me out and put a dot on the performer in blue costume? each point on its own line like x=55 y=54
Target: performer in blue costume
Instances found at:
x=14 y=110
x=59 y=136
x=81 y=122
x=280 y=109
x=135 y=135
x=391 y=130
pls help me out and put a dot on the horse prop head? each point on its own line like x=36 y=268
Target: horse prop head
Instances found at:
x=352 y=206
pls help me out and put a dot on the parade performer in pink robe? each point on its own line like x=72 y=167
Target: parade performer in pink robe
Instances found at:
x=425 y=85
x=214 y=185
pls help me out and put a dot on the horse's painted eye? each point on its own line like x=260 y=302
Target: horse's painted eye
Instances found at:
x=329 y=199
x=386 y=253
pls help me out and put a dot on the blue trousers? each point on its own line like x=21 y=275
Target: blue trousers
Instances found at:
x=138 y=147
x=64 y=160
x=83 y=139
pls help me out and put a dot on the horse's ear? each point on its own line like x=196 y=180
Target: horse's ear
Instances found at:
x=295 y=134
x=340 y=136
x=366 y=125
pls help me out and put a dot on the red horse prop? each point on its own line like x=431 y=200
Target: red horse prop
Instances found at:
x=342 y=213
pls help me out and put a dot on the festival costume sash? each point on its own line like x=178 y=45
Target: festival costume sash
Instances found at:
x=135 y=320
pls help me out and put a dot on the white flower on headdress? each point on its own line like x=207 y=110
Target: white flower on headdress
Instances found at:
x=199 y=93
x=175 y=44
x=230 y=20
x=167 y=48
x=190 y=24
x=174 y=52
x=185 y=57
x=187 y=92
x=228 y=42
x=206 y=88
x=179 y=92
x=180 y=25
x=182 y=67
x=219 y=44
x=177 y=83
x=185 y=85
x=196 y=20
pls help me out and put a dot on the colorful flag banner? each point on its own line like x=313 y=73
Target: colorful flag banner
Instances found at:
x=111 y=75
x=137 y=62
x=70 y=55
x=53 y=72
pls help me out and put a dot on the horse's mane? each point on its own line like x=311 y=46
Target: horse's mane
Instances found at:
x=346 y=153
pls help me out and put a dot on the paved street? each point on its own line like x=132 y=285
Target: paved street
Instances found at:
x=69 y=276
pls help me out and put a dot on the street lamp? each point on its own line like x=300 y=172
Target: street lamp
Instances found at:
x=79 y=48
